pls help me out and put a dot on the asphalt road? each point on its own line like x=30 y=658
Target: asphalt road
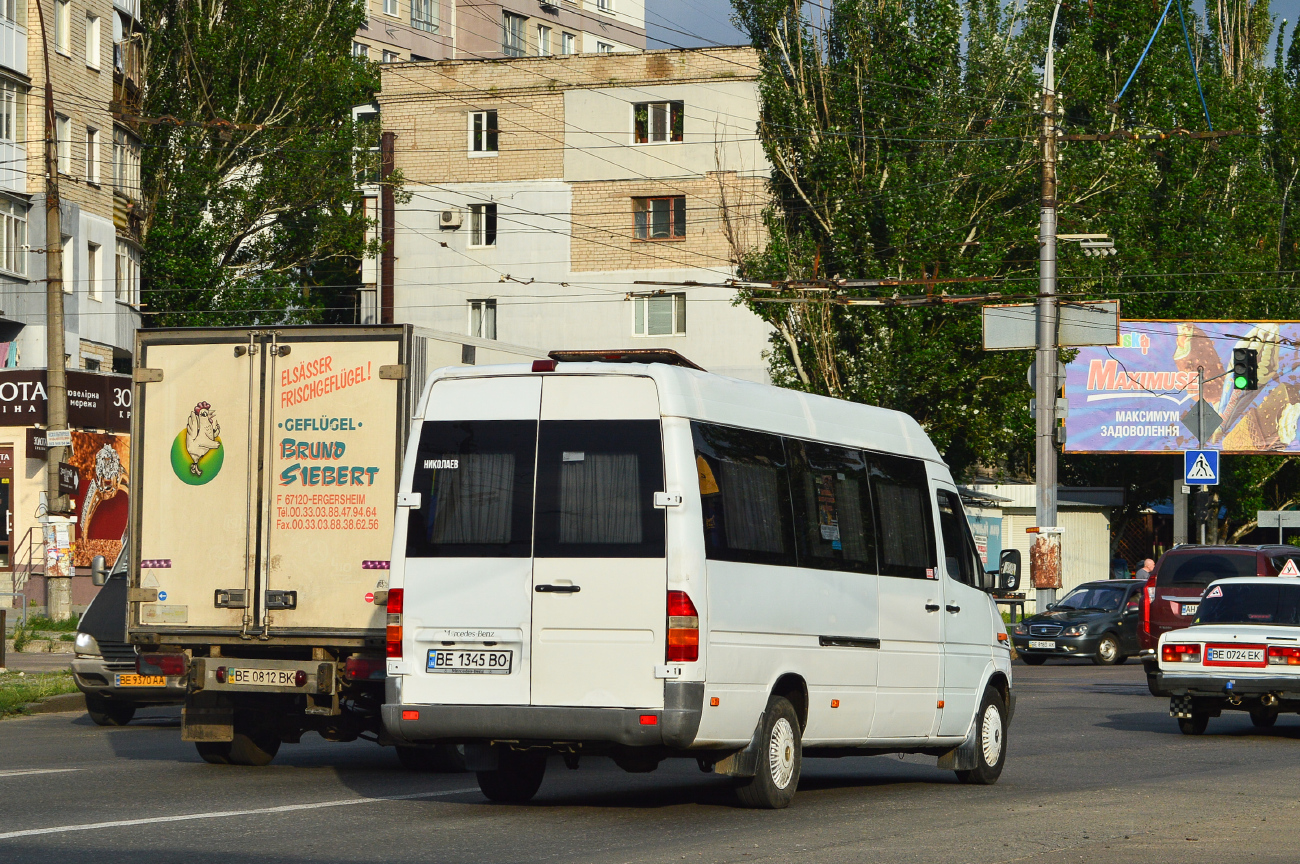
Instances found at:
x=1097 y=772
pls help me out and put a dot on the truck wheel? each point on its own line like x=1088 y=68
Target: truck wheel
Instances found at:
x=516 y=779
x=105 y=712
x=214 y=752
x=1194 y=725
x=1033 y=659
x=1107 y=651
x=441 y=758
x=991 y=754
x=780 y=759
x=254 y=747
x=1262 y=717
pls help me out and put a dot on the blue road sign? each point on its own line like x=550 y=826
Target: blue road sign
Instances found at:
x=1201 y=467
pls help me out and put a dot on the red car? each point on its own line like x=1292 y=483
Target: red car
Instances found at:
x=1173 y=592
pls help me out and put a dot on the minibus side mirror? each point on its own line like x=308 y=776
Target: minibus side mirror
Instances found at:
x=1009 y=569
x=988 y=580
x=98 y=571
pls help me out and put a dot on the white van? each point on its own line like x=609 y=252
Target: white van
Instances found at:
x=644 y=560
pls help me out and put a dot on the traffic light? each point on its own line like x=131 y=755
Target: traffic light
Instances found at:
x=1245 y=368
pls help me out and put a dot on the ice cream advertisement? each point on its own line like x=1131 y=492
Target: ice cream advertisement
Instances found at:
x=1133 y=398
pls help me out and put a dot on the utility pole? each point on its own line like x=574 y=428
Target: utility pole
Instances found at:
x=58 y=576
x=1045 y=556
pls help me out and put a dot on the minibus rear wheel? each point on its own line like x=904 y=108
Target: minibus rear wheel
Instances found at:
x=517 y=777
x=780 y=759
x=990 y=741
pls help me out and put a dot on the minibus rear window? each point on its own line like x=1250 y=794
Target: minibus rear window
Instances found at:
x=475 y=480
x=900 y=493
x=745 y=495
x=596 y=482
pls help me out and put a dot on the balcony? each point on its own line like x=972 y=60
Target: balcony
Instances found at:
x=128 y=66
x=13 y=46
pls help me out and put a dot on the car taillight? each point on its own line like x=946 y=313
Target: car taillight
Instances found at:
x=1283 y=655
x=1148 y=597
x=683 y=629
x=393 y=635
x=1181 y=653
x=161 y=664
x=364 y=669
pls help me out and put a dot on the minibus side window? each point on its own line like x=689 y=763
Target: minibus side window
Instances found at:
x=475 y=479
x=745 y=495
x=901 y=495
x=958 y=549
x=832 y=506
x=596 y=483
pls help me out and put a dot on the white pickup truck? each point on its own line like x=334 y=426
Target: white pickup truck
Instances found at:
x=1241 y=653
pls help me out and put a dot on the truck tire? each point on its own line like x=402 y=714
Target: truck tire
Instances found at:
x=991 y=754
x=780 y=759
x=441 y=759
x=516 y=779
x=105 y=712
x=253 y=745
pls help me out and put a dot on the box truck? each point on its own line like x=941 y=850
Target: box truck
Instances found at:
x=263 y=484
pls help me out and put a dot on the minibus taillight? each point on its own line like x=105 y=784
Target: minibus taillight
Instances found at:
x=394 y=630
x=1181 y=653
x=683 y=629
x=1283 y=655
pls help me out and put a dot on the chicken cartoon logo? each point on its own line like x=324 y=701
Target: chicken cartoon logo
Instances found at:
x=197 y=453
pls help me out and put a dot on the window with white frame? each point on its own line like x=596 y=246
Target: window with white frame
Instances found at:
x=63 y=26
x=514 y=42
x=568 y=43
x=13 y=111
x=92 y=155
x=659 y=315
x=482 y=225
x=63 y=142
x=659 y=218
x=360 y=50
x=390 y=8
x=483 y=319
x=606 y=6
x=657 y=122
x=128 y=273
x=424 y=15
x=391 y=57
x=483 y=133
x=14 y=11
x=604 y=48
x=94 y=276
x=92 y=41
x=13 y=236
x=543 y=40
x=126 y=163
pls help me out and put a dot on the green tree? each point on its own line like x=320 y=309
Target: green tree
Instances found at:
x=251 y=158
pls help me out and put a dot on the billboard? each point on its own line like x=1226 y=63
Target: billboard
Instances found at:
x=1133 y=398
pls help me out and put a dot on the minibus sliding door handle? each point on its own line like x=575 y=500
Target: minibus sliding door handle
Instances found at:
x=558 y=589
x=931 y=607
x=952 y=608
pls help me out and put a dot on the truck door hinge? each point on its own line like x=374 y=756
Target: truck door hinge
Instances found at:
x=143 y=375
x=394 y=372
x=281 y=599
x=231 y=598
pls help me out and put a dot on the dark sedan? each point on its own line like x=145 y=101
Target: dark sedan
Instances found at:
x=1097 y=620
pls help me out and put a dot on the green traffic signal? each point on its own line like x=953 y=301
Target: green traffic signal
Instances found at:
x=1241 y=382
x=1245 y=368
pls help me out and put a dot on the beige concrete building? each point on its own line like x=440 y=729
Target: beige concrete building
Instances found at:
x=544 y=190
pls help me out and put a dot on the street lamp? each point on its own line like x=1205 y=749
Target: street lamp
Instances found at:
x=1093 y=245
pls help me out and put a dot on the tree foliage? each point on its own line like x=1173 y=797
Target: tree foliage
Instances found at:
x=905 y=137
x=249 y=160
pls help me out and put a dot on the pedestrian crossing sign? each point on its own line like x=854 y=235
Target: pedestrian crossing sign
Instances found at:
x=1201 y=467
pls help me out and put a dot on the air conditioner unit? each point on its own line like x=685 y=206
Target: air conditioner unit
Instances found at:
x=450 y=219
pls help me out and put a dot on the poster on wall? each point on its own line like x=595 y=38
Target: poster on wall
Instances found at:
x=1135 y=397
x=101 y=461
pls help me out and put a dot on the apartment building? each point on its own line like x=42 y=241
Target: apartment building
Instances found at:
x=424 y=30
x=590 y=201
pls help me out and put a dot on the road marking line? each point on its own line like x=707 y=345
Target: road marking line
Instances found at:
x=19 y=772
x=220 y=814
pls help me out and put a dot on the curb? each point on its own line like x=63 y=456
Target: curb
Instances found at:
x=57 y=704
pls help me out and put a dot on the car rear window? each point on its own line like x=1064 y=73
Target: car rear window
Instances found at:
x=1250 y=604
x=1204 y=568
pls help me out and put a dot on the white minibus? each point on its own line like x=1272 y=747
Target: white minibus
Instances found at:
x=644 y=560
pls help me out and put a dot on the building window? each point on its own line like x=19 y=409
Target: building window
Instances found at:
x=94 y=278
x=659 y=315
x=92 y=41
x=657 y=122
x=568 y=43
x=128 y=273
x=92 y=364
x=126 y=163
x=483 y=319
x=513 y=41
x=604 y=48
x=13 y=237
x=606 y=6
x=424 y=15
x=543 y=40
x=63 y=26
x=482 y=225
x=92 y=155
x=660 y=218
x=63 y=142
x=13 y=10
x=13 y=110
x=361 y=51
x=390 y=7
x=483 y=133
x=392 y=57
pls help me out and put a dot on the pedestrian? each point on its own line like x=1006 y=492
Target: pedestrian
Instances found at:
x=1147 y=566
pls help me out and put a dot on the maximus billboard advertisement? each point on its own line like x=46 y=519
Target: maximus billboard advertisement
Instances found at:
x=1135 y=398
x=95 y=401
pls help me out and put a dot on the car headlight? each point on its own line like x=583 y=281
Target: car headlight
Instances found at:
x=87 y=645
x=1019 y=629
x=1075 y=630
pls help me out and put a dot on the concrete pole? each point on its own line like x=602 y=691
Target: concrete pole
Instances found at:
x=1045 y=558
